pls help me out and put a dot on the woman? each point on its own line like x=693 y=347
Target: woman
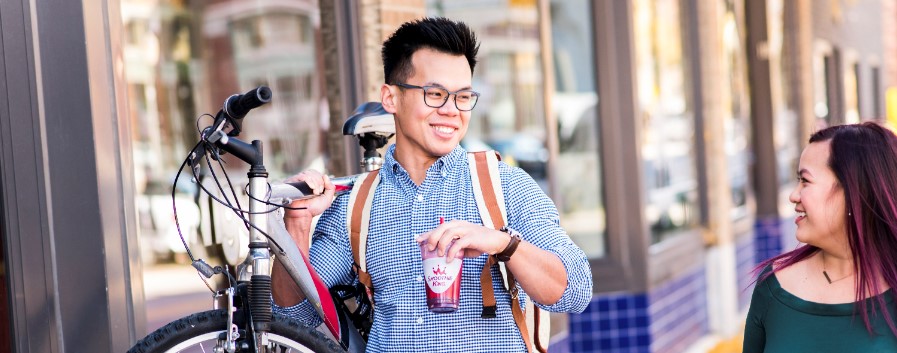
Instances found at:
x=836 y=293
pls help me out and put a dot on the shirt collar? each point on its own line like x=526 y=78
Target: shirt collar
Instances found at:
x=443 y=165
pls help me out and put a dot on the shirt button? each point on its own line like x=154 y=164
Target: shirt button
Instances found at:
x=420 y=198
x=420 y=320
x=419 y=278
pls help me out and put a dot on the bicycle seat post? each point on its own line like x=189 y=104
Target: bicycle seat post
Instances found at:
x=373 y=126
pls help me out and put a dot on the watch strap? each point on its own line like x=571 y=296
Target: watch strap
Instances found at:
x=505 y=255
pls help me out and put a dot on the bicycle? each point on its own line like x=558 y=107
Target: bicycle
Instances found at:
x=247 y=324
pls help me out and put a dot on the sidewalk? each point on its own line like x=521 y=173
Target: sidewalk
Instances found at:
x=162 y=280
x=173 y=291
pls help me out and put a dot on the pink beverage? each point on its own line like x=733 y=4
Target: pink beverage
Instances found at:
x=443 y=280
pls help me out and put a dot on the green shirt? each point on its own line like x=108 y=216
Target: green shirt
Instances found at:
x=779 y=322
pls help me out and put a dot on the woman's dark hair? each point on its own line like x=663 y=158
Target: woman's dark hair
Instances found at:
x=863 y=157
x=437 y=33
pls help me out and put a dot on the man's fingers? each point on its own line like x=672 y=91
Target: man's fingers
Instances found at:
x=445 y=240
x=457 y=246
x=318 y=183
x=451 y=238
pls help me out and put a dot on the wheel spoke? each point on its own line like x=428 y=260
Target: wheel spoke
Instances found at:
x=198 y=344
x=200 y=333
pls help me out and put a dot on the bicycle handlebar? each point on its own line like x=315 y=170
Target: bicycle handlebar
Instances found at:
x=298 y=190
x=236 y=106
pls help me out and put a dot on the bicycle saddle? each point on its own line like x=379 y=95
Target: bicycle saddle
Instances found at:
x=370 y=117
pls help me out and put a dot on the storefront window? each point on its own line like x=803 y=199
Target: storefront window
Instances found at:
x=667 y=124
x=851 y=91
x=510 y=116
x=575 y=105
x=182 y=59
x=787 y=137
x=736 y=103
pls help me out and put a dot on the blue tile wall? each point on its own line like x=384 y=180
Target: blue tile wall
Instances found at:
x=613 y=322
x=559 y=345
x=744 y=265
x=668 y=319
x=788 y=228
x=768 y=238
x=678 y=312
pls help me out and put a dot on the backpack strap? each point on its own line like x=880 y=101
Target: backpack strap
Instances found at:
x=491 y=205
x=359 y=220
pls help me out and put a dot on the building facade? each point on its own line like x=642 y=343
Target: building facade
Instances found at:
x=666 y=131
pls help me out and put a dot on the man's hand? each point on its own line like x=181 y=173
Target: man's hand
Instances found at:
x=298 y=222
x=313 y=206
x=473 y=239
x=539 y=272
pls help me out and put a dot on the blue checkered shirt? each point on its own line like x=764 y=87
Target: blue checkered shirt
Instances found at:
x=402 y=210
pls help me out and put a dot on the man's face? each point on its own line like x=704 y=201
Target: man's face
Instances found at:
x=421 y=130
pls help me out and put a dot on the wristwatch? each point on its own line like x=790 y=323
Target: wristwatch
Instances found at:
x=505 y=254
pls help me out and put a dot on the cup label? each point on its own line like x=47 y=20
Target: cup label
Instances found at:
x=440 y=275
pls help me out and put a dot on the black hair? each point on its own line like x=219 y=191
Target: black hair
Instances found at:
x=437 y=33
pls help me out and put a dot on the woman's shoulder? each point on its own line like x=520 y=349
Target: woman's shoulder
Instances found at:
x=788 y=276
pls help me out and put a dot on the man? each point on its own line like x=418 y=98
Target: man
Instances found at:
x=428 y=68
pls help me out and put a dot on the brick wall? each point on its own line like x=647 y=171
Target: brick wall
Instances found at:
x=379 y=18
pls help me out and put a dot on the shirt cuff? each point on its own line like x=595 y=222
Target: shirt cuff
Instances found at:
x=578 y=293
x=304 y=312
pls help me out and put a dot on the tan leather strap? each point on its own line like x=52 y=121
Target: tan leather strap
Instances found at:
x=541 y=335
x=360 y=201
x=488 y=292
x=486 y=186
x=485 y=194
x=517 y=311
x=534 y=328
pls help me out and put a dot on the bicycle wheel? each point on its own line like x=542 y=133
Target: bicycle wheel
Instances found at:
x=199 y=333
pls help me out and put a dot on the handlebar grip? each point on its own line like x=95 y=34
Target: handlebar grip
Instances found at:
x=238 y=105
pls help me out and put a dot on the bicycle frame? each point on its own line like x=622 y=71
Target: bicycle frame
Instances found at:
x=255 y=269
x=265 y=224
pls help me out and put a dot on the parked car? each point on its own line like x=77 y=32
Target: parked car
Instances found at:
x=528 y=152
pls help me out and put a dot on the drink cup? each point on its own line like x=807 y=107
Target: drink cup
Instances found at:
x=443 y=280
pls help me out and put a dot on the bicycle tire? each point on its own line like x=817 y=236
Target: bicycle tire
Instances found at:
x=181 y=334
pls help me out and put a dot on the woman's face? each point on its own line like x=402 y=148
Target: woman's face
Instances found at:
x=819 y=199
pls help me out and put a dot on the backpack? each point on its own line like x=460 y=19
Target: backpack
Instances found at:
x=532 y=322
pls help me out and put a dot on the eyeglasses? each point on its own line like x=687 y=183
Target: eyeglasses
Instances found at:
x=435 y=97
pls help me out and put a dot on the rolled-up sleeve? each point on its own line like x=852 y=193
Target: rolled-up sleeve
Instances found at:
x=304 y=312
x=532 y=213
x=578 y=293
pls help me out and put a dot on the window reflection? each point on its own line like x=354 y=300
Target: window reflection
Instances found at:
x=510 y=116
x=736 y=103
x=667 y=123
x=182 y=59
x=785 y=118
x=575 y=103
